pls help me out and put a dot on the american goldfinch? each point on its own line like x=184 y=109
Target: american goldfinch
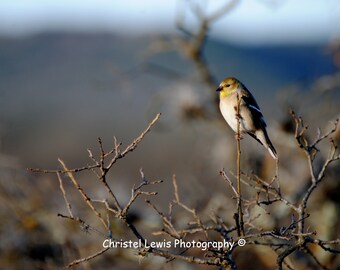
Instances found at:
x=251 y=118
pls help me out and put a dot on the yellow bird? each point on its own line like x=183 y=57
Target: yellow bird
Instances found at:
x=251 y=118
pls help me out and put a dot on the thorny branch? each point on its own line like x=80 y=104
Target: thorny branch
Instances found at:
x=284 y=240
x=310 y=150
x=294 y=236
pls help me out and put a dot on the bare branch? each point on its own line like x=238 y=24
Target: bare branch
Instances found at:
x=75 y=170
x=238 y=142
x=323 y=244
x=68 y=205
x=86 y=199
x=134 y=144
x=306 y=249
x=75 y=262
x=284 y=240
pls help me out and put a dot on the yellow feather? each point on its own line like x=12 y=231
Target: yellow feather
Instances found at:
x=225 y=92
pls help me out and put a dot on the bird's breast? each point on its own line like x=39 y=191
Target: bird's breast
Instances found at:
x=228 y=109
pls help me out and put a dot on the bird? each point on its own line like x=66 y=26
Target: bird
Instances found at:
x=231 y=91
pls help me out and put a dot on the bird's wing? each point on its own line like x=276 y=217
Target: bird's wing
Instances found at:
x=250 y=102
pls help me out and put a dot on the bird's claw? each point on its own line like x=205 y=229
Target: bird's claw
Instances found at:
x=238 y=136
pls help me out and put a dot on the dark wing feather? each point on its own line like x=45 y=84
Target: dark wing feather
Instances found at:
x=254 y=136
x=251 y=103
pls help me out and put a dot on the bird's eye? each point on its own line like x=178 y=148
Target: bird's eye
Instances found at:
x=227 y=85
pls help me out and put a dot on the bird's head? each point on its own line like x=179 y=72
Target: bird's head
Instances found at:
x=228 y=86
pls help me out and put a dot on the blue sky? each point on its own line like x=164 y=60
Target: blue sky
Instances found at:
x=250 y=22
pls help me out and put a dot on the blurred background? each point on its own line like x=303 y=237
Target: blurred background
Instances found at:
x=73 y=71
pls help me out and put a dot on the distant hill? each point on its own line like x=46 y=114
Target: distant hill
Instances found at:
x=84 y=54
x=75 y=84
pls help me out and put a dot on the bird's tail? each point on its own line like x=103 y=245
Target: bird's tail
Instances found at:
x=263 y=137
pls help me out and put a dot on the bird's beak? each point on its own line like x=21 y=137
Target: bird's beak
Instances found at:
x=219 y=89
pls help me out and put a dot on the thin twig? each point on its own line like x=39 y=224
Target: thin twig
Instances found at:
x=307 y=250
x=75 y=170
x=68 y=205
x=86 y=199
x=238 y=141
x=225 y=177
x=134 y=144
x=75 y=262
x=188 y=209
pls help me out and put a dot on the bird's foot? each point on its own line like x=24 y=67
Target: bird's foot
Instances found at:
x=238 y=136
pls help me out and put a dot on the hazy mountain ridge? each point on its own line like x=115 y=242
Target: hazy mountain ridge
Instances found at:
x=22 y=54
x=51 y=81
